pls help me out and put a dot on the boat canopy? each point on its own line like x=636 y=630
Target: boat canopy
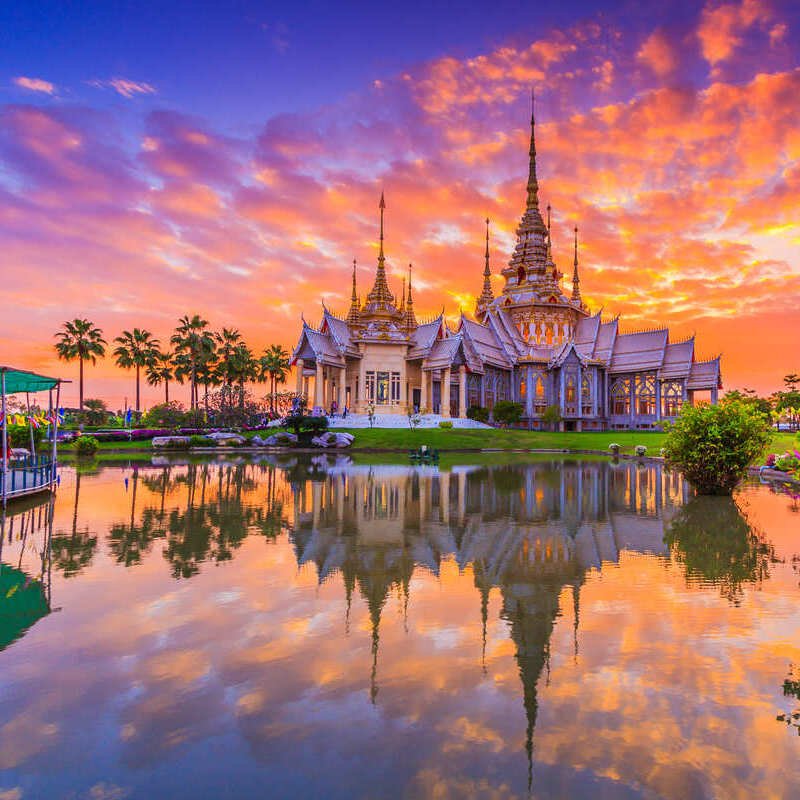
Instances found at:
x=19 y=380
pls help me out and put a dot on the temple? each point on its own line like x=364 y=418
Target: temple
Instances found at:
x=533 y=343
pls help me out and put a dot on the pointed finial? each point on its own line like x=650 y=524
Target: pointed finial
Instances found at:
x=576 y=281
x=486 y=271
x=487 y=296
x=355 y=300
x=533 y=184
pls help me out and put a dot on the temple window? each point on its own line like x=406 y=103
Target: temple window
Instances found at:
x=521 y=275
x=369 y=382
x=523 y=388
x=382 y=388
x=671 y=398
x=621 y=397
x=586 y=393
x=395 y=387
x=570 y=389
x=646 y=395
x=548 y=333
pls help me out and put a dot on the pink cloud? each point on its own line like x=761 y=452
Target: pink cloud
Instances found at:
x=35 y=85
x=124 y=87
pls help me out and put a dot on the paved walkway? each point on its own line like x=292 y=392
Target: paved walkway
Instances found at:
x=399 y=421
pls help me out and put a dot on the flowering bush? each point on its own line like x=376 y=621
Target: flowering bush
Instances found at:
x=86 y=445
x=771 y=459
x=713 y=445
x=788 y=462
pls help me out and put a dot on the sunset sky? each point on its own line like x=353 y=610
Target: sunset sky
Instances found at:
x=166 y=159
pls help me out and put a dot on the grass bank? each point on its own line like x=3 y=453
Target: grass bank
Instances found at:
x=466 y=440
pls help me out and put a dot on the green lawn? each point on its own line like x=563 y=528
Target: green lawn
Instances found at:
x=486 y=439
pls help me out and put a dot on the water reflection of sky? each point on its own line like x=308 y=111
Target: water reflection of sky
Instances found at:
x=380 y=631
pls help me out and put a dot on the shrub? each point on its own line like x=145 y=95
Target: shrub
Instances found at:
x=86 y=445
x=20 y=436
x=95 y=412
x=788 y=462
x=166 y=415
x=201 y=441
x=712 y=445
x=552 y=415
x=640 y=450
x=614 y=448
x=507 y=412
x=446 y=424
x=478 y=413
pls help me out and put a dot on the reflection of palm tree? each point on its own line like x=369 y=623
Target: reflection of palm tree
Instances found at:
x=74 y=553
x=715 y=542
x=130 y=542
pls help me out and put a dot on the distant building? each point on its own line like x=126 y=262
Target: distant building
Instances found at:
x=533 y=344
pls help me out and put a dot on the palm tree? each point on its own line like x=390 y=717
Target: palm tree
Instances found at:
x=82 y=340
x=137 y=349
x=194 y=345
x=275 y=363
x=242 y=367
x=161 y=371
x=228 y=339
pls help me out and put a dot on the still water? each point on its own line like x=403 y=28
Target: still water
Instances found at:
x=339 y=629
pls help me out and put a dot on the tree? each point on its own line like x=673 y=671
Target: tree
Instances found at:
x=161 y=371
x=507 y=413
x=713 y=445
x=136 y=349
x=551 y=416
x=194 y=346
x=96 y=411
x=80 y=340
x=275 y=365
x=792 y=380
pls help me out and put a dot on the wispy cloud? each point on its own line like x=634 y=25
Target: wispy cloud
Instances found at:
x=35 y=84
x=124 y=87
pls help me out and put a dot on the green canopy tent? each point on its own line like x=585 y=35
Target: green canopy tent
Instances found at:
x=16 y=381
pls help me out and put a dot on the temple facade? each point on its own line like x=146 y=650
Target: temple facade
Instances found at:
x=534 y=344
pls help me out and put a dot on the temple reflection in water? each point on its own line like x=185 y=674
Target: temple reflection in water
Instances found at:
x=527 y=530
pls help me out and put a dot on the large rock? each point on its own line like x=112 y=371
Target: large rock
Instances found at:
x=227 y=438
x=170 y=441
x=257 y=441
x=332 y=439
x=281 y=439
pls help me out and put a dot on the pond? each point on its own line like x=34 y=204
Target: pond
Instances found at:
x=334 y=628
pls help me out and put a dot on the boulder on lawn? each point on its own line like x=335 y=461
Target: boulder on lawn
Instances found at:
x=257 y=441
x=281 y=439
x=332 y=439
x=227 y=438
x=171 y=441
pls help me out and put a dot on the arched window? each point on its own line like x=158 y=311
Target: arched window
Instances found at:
x=621 y=397
x=586 y=393
x=548 y=333
x=671 y=398
x=570 y=389
x=523 y=388
x=646 y=395
x=539 y=388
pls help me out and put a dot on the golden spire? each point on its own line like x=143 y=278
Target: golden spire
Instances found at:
x=549 y=238
x=576 y=281
x=410 y=317
x=353 y=313
x=487 y=296
x=533 y=184
x=380 y=298
x=403 y=298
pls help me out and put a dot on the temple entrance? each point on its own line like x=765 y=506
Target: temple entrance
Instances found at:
x=436 y=396
x=569 y=425
x=416 y=399
x=454 y=390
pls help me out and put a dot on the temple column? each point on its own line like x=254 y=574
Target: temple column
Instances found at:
x=483 y=391
x=462 y=392
x=340 y=396
x=714 y=395
x=299 y=366
x=658 y=399
x=632 y=398
x=361 y=399
x=529 y=390
x=423 y=390
x=444 y=410
x=306 y=387
x=318 y=385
